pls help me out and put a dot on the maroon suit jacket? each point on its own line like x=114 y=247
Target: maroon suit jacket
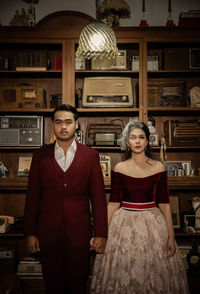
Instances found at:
x=55 y=197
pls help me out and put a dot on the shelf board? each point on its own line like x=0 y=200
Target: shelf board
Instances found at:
x=11 y=235
x=174 y=148
x=175 y=71
x=105 y=71
x=109 y=148
x=30 y=71
x=17 y=183
x=10 y=148
x=104 y=109
x=20 y=183
x=184 y=182
x=81 y=110
x=27 y=110
x=175 y=109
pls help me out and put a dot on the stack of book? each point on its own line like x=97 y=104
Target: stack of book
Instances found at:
x=30 y=266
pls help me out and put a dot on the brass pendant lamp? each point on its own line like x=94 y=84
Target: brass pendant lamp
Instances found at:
x=97 y=40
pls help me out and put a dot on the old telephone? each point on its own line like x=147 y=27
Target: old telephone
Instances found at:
x=5 y=222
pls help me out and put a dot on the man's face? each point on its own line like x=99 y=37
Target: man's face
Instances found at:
x=64 y=125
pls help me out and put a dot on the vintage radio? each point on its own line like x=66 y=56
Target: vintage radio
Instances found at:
x=119 y=62
x=182 y=132
x=21 y=130
x=22 y=97
x=103 y=134
x=107 y=92
x=162 y=94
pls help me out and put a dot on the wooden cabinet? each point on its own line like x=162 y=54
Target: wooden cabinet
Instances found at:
x=162 y=69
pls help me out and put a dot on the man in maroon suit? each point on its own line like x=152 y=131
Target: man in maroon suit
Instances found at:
x=65 y=177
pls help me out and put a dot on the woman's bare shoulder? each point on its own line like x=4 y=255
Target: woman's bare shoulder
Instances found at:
x=157 y=165
x=119 y=166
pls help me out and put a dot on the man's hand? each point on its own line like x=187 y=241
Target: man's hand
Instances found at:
x=32 y=244
x=98 y=244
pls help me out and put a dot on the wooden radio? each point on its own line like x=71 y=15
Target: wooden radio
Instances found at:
x=166 y=94
x=22 y=97
x=108 y=92
x=182 y=132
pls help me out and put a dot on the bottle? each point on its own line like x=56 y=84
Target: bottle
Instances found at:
x=48 y=63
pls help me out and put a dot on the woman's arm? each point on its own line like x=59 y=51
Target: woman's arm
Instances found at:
x=112 y=207
x=165 y=209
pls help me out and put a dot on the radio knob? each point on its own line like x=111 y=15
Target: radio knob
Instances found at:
x=20 y=105
x=37 y=105
x=90 y=98
x=124 y=98
x=30 y=139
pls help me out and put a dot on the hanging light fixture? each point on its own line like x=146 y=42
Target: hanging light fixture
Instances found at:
x=97 y=40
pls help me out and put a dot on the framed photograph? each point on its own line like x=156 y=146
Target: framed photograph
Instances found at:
x=175 y=211
x=176 y=168
x=105 y=162
x=24 y=166
x=195 y=58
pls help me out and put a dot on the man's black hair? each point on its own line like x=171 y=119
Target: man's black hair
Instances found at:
x=66 y=107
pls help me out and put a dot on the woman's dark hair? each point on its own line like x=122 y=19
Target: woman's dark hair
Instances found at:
x=65 y=107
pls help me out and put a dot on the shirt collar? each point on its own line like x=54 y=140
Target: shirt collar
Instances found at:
x=73 y=146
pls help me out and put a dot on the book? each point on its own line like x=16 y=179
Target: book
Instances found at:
x=31 y=68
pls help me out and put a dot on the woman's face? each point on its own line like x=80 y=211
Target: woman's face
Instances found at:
x=137 y=141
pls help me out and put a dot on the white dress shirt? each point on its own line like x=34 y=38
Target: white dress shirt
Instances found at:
x=65 y=161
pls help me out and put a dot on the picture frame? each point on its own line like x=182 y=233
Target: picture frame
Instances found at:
x=194 y=59
x=24 y=165
x=173 y=167
x=175 y=211
x=105 y=162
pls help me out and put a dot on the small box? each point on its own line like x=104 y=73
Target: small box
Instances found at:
x=55 y=100
x=80 y=63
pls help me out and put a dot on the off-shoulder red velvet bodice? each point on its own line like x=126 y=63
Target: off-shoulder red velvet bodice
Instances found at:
x=139 y=190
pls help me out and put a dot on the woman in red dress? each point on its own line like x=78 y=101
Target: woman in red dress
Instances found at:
x=141 y=255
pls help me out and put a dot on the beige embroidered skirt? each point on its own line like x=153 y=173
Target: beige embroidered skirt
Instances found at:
x=135 y=259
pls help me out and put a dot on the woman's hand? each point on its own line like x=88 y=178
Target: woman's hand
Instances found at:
x=171 y=247
x=98 y=244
